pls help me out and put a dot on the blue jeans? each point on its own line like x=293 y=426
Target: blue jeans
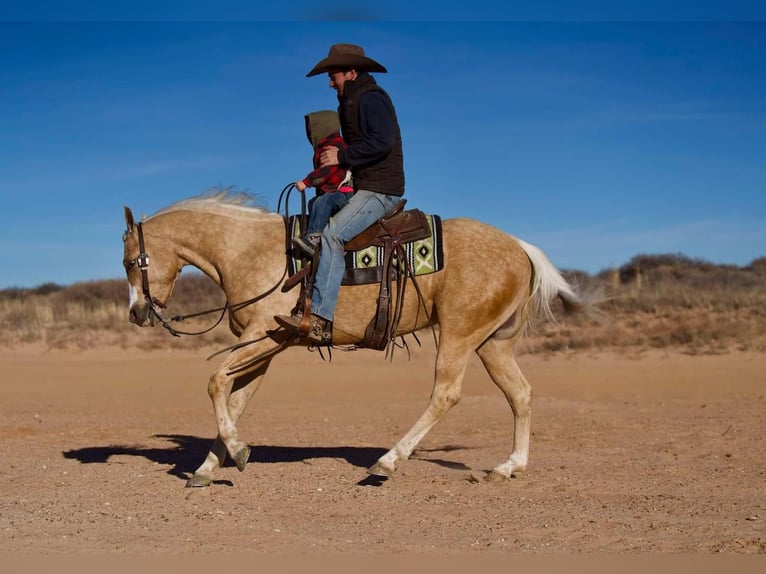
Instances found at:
x=323 y=207
x=362 y=210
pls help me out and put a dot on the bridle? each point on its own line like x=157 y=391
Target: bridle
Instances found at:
x=142 y=261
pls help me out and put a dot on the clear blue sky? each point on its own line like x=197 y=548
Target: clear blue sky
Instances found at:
x=597 y=141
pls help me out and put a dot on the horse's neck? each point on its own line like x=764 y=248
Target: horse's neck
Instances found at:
x=232 y=250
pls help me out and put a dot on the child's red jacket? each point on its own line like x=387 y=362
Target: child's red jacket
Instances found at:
x=327 y=179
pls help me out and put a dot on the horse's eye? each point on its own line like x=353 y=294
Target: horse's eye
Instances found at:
x=129 y=264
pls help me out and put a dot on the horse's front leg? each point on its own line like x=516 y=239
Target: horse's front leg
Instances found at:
x=230 y=395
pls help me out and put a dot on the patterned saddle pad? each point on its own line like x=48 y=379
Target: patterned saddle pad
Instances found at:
x=365 y=265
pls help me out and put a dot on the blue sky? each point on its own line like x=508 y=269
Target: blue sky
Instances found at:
x=597 y=141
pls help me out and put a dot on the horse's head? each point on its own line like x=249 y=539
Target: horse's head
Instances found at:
x=152 y=267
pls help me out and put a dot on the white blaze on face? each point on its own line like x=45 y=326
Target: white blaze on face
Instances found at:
x=133 y=293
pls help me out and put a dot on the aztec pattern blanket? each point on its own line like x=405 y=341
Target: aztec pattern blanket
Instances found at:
x=365 y=265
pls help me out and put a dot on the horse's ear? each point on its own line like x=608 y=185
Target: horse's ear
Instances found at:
x=130 y=222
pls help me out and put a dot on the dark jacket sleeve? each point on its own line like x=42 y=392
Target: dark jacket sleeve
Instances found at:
x=376 y=122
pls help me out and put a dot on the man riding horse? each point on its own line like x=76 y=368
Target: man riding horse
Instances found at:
x=374 y=154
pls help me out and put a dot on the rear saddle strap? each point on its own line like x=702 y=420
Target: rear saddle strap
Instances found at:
x=376 y=335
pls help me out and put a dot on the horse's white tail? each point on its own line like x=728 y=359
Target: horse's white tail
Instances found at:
x=547 y=284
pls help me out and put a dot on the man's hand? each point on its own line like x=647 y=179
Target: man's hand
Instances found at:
x=328 y=157
x=300 y=185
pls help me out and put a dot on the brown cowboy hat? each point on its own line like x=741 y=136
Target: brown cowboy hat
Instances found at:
x=346 y=56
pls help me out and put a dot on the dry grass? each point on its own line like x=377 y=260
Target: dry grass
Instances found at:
x=654 y=302
x=86 y=315
x=670 y=301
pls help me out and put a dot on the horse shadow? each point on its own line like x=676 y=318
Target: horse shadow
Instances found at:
x=186 y=452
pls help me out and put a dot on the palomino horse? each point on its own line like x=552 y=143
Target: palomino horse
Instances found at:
x=493 y=287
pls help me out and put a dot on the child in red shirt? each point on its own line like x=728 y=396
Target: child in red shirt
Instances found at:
x=332 y=189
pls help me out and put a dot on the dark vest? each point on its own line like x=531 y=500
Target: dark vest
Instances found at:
x=387 y=174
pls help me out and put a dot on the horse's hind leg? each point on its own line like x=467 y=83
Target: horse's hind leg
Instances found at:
x=244 y=387
x=497 y=357
x=450 y=368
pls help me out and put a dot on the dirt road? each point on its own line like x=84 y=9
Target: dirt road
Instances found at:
x=657 y=453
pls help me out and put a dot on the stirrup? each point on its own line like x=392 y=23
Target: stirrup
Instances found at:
x=314 y=328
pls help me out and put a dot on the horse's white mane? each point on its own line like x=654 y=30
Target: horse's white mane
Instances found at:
x=218 y=200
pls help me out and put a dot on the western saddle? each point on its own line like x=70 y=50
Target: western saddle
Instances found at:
x=391 y=232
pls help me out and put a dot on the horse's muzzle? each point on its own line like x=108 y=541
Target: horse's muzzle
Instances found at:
x=141 y=315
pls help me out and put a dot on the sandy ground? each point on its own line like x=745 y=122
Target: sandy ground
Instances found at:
x=654 y=453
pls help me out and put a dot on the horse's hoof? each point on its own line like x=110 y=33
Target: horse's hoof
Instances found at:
x=378 y=469
x=496 y=477
x=241 y=458
x=198 y=480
